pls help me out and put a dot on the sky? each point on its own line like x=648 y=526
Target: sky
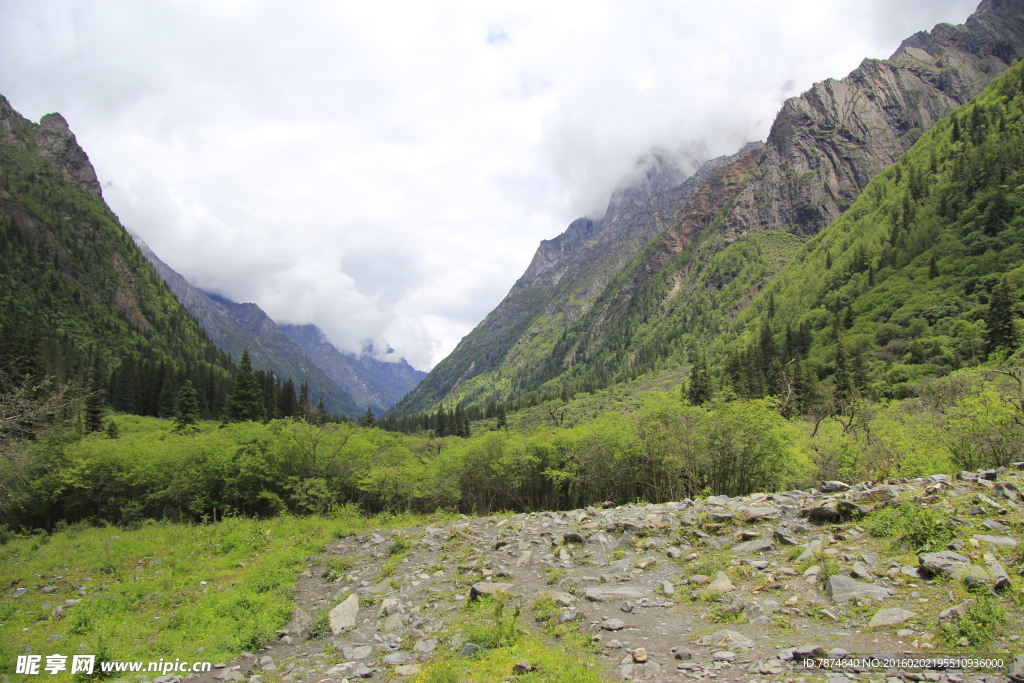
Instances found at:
x=386 y=170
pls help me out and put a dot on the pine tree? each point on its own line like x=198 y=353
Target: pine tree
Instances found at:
x=1001 y=317
x=699 y=390
x=842 y=379
x=304 y=407
x=288 y=406
x=369 y=419
x=94 y=400
x=245 y=403
x=186 y=410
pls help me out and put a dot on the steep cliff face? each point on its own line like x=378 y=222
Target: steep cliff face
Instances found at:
x=823 y=148
x=828 y=143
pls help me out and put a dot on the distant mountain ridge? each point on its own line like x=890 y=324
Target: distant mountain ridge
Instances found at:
x=348 y=384
x=608 y=299
x=372 y=383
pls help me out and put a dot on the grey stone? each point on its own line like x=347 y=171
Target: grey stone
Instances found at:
x=955 y=612
x=860 y=571
x=833 y=486
x=343 y=616
x=944 y=563
x=785 y=537
x=757 y=545
x=425 y=646
x=721 y=583
x=300 y=624
x=726 y=639
x=760 y=514
x=356 y=653
x=488 y=588
x=611 y=593
x=613 y=625
x=396 y=658
x=1002 y=541
x=890 y=617
x=843 y=589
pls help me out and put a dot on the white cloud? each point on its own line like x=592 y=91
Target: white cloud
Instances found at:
x=386 y=170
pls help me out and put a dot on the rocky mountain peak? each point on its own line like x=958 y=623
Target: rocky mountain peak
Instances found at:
x=59 y=147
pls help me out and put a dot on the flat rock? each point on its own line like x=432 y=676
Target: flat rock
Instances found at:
x=760 y=513
x=727 y=639
x=488 y=588
x=944 y=563
x=610 y=593
x=757 y=545
x=890 y=617
x=842 y=589
x=1003 y=541
x=721 y=583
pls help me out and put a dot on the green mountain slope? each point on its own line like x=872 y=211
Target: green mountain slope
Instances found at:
x=746 y=220
x=921 y=276
x=73 y=284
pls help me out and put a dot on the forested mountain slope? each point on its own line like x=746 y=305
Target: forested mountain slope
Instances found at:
x=921 y=276
x=235 y=327
x=562 y=280
x=744 y=222
x=75 y=291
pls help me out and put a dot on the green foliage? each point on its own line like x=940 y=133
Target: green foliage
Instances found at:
x=245 y=403
x=199 y=591
x=186 y=411
x=489 y=626
x=915 y=528
x=982 y=621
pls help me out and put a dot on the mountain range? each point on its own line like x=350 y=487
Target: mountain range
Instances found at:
x=674 y=259
x=349 y=383
x=680 y=264
x=78 y=289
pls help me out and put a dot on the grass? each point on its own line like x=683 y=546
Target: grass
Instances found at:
x=197 y=592
x=913 y=527
x=495 y=624
x=980 y=624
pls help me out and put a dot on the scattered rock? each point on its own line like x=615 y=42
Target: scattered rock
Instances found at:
x=843 y=589
x=612 y=593
x=488 y=588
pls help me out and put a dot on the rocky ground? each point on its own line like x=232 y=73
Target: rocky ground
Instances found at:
x=731 y=589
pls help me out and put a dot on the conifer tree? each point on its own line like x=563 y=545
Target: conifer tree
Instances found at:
x=843 y=377
x=699 y=390
x=246 y=401
x=368 y=419
x=186 y=410
x=1001 y=317
x=288 y=406
x=304 y=407
x=94 y=399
